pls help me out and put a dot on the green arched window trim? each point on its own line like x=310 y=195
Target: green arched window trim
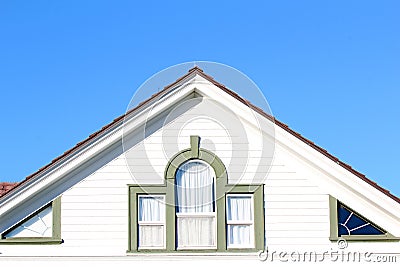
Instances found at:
x=195 y=152
x=222 y=189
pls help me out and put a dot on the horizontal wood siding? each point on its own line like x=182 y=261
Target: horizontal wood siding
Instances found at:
x=95 y=212
x=296 y=211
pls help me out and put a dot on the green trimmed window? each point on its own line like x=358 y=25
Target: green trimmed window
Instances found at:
x=350 y=225
x=41 y=227
x=240 y=220
x=196 y=209
x=151 y=221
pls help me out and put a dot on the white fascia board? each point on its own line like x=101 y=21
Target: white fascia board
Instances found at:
x=158 y=106
x=249 y=116
x=42 y=180
x=339 y=182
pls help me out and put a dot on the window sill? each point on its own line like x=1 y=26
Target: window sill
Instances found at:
x=31 y=241
x=366 y=238
x=204 y=252
x=199 y=254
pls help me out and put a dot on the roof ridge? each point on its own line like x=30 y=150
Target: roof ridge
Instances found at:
x=199 y=71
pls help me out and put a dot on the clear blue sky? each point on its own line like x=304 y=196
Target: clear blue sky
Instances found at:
x=329 y=69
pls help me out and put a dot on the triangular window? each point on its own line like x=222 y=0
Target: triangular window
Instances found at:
x=352 y=223
x=346 y=223
x=39 y=224
x=42 y=226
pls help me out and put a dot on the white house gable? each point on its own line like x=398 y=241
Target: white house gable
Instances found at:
x=95 y=180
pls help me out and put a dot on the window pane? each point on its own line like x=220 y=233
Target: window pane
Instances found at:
x=196 y=231
x=351 y=223
x=239 y=235
x=239 y=208
x=366 y=230
x=240 y=228
x=195 y=188
x=151 y=209
x=151 y=220
x=40 y=225
x=343 y=214
x=151 y=236
x=355 y=221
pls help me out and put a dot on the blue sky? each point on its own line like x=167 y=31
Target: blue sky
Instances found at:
x=329 y=69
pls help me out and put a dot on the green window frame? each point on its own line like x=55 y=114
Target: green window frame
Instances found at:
x=334 y=205
x=56 y=229
x=222 y=190
x=231 y=222
x=158 y=221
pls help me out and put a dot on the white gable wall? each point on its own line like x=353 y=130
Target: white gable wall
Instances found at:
x=95 y=211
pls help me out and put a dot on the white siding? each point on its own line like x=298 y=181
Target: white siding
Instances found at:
x=95 y=212
x=296 y=211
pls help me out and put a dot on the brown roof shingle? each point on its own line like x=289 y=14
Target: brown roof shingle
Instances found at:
x=197 y=70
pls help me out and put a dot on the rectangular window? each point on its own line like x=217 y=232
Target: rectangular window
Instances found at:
x=151 y=221
x=240 y=221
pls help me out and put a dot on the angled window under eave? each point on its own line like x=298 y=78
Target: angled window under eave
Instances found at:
x=41 y=227
x=345 y=223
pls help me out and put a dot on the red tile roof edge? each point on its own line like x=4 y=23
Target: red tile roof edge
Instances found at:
x=199 y=71
x=6 y=186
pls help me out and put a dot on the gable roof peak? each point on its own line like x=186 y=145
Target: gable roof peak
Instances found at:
x=195 y=69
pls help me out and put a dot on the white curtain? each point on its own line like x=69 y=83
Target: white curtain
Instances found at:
x=151 y=218
x=195 y=195
x=196 y=232
x=195 y=188
x=150 y=208
x=240 y=220
x=151 y=236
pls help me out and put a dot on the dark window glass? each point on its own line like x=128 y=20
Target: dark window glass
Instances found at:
x=351 y=223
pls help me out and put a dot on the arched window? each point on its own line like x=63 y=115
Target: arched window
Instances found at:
x=195 y=206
